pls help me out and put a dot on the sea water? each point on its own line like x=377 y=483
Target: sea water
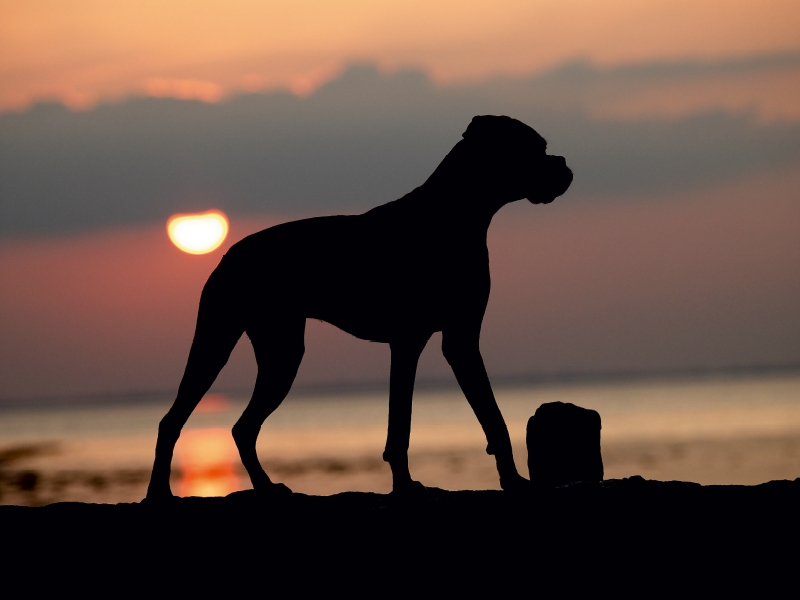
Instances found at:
x=712 y=430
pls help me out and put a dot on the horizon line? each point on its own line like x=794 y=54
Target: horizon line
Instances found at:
x=334 y=388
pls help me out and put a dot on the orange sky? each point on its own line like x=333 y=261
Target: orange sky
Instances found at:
x=84 y=51
x=694 y=278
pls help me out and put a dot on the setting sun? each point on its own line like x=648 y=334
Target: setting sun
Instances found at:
x=198 y=233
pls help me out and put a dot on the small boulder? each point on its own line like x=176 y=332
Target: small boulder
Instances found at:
x=564 y=445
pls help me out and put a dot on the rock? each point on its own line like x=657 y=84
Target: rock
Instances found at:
x=564 y=445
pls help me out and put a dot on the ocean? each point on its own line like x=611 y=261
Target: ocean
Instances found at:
x=731 y=429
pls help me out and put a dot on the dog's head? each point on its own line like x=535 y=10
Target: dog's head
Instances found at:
x=515 y=159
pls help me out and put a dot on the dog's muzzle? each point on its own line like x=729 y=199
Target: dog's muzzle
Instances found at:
x=555 y=179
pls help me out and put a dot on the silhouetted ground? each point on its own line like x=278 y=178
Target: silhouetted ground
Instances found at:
x=614 y=535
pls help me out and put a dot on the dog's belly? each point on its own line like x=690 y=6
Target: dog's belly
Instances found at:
x=370 y=281
x=374 y=330
x=376 y=326
x=379 y=311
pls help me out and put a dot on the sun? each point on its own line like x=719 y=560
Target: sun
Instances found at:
x=198 y=233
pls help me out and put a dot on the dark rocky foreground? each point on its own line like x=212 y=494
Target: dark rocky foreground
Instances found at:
x=624 y=533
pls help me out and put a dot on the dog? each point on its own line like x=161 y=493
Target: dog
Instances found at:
x=395 y=274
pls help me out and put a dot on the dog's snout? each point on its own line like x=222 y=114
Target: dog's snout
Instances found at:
x=566 y=174
x=560 y=164
x=563 y=171
x=554 y=180
x=560 y=175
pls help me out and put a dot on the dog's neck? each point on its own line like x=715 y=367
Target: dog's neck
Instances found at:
x=457 y=189
x=464 y=204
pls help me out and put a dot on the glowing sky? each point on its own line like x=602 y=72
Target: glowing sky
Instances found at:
x=676 y=246
x=84 y=51
x=198 y=233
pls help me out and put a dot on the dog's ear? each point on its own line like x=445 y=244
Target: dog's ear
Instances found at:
x=504 y=130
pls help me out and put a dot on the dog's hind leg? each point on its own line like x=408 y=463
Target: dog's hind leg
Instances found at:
x=279 y=349
x=216 y=334
x=405 y=356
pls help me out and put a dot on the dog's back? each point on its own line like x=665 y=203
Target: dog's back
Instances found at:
x=372 y=274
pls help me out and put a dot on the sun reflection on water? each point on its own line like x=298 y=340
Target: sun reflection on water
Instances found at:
x=207 y=458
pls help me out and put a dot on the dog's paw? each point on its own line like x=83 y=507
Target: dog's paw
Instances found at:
x=410 y=489
x=516 y=484
x=158 y=496
x=273 y=490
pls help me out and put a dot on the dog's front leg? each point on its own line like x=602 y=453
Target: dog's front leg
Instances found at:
x=405 y=356
x=461 y=350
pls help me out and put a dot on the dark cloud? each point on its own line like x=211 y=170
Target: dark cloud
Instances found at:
x=582 y=75
x=360 y=140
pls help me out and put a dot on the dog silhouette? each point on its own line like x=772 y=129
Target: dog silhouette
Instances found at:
x=395 y=274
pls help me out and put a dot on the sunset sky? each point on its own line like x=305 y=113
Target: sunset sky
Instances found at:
x=88 y=51
x=676 y=247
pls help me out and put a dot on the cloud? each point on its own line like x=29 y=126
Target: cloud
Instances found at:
x=765 y=86
x=368 y=137
x=82 y=54
x=184 y=89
